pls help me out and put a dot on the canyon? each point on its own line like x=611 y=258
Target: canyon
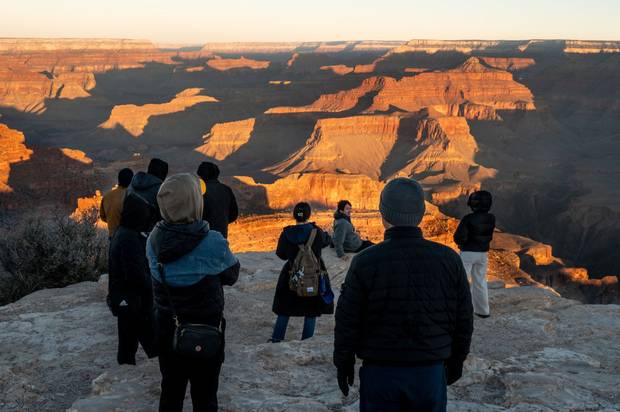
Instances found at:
x=535 y=121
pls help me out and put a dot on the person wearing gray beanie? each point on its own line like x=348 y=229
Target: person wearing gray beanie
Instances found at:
x=402 y=202
x=405 y=309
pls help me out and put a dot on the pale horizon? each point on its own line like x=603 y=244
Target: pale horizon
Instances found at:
x=193 y=22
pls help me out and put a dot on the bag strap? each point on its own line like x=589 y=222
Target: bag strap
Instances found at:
x=310 y=240
x=160 y=267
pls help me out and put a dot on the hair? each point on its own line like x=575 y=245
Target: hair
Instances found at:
x=480 y=201
x=302 y=212
x=208 y=170
x=124 y=177
x=342 y=204
x=158 y=168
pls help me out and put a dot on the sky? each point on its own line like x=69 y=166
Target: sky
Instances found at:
x=200 y=21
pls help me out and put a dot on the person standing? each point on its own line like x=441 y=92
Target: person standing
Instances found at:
x=220 y=204
x=346 y=239
x=144 y=187
x=287 y=302
x=405 y=310
x=473 y=237
x=112 y=202
x=195 y=265
x=130 y=297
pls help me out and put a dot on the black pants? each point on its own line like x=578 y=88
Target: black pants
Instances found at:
x=134 y=328
x=396 y=389
x=202 y=375
x=365 y=245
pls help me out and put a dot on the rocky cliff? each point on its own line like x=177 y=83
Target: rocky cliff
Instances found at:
x=226 y=138
x=14 y=150
x=134 y=118
x=537 y=352
x=228 y=64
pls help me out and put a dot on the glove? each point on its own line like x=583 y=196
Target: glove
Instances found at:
x=454 y=370
x=346 y=377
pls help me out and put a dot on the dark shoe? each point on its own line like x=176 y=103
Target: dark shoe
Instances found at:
x=482 y=316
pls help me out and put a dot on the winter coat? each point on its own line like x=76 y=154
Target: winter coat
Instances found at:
x=220 y=206
x=197 y=263
x=346 y=238
x=404 y=302
x=475 y=232
x=286 y=302
x=145 y=186
x=129 y=278
x=112 y=208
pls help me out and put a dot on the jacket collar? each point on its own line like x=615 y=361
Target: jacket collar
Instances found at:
x=399 y=232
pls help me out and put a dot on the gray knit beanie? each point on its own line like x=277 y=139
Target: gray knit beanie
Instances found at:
x=402 y=202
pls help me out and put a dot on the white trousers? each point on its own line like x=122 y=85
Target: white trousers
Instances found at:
x=476 y=267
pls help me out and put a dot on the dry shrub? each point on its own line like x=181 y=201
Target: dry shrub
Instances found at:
x=46 y=252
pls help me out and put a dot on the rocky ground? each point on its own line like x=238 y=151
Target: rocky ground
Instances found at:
x=538 y=352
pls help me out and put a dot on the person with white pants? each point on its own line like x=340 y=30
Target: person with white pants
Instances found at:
x=473 y=237
x=476 y=267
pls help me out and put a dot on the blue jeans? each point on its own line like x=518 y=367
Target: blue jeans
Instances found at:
x=279 y=330
x=394 y=389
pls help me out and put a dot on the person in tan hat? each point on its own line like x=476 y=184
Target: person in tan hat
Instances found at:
x=196 y=263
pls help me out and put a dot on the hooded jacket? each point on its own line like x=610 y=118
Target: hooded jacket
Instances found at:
x=285 y=301
x=144 y=186
x=197 y=261
x=129 y=278
x=346 y=238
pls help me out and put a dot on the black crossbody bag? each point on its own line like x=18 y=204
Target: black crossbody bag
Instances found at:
x=193 y=339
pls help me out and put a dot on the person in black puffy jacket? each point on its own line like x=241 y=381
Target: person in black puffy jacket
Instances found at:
x=405 y=309
x=473 y=237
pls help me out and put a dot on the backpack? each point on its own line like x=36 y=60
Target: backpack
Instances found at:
x=305 y=272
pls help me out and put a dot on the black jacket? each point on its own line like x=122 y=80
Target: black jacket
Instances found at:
x=286 y=302
x=220 y=206
x=144 y=187
x=129 y=277
x=405 y=301
x=475 y=232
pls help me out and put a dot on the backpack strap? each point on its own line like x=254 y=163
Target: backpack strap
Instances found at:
x=310 y=240
x=162 y=274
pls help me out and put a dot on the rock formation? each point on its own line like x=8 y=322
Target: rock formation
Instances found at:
x=134 y=118
x=589 y=47
x=225 y=138
x=321 y=190
x=509 y=63
x=14 y=150
x=538 y=351
x=222 y=64
x=353 y=145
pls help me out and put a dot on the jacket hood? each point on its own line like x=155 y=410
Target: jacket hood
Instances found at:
x=171 y=242
x=135 y=214
x=143 y=181
x=180 y=199
x=298 y=234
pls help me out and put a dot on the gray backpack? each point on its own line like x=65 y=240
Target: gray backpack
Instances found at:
x=305 y=272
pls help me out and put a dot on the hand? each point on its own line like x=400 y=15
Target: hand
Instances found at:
x=454 y=370
x=346 y=258
x=346 y=377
